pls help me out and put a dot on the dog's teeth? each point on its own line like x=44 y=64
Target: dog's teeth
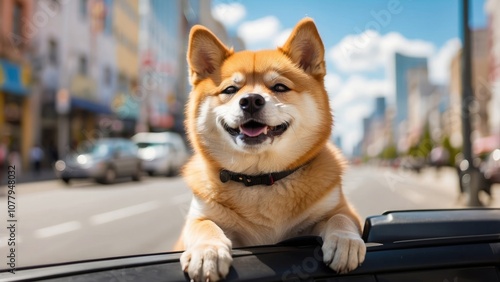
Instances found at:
x=265 y=130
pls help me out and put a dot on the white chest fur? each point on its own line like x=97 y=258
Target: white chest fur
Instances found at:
x=265 y=215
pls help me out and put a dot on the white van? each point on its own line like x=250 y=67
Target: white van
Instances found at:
x=161 y=152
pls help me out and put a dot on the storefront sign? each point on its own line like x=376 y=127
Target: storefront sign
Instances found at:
x=14 y=79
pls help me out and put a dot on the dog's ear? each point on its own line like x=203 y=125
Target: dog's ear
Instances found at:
x=205 y=53
x=305 y=48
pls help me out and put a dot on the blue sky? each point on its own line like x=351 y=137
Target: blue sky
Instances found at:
x=360 y=38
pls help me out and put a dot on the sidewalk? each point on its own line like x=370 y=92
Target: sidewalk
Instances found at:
x=447 y=177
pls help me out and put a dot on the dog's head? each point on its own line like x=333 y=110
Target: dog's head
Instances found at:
x=258 y=112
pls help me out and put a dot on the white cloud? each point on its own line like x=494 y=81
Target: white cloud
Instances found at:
x=370 y=51
x=348 y=123
x=395 y=42
x=333 y=83
x=260 y=30
x=439 y=64
x=282 y=37
x=349 y=119
x=229 y=14
x=357 y=52
x=352 y=101
x=359 y=88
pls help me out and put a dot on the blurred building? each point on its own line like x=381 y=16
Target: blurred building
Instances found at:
x=480 y=110
x=17 y=115
x=77 y=70
x=419 y=90
x=426 y=104
x=160 y=52
x=380 y=107
x=404 y=63
x=337 y=140
x=492 y=8
x=377 y=133
x=366 y=138
x=419 y=106
x=125 y=28
x=86 y=69
x=357 y=150
x=47 y=65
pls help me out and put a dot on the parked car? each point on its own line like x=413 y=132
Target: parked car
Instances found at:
x=161 y=152
x=103 y=160
x=415 y=164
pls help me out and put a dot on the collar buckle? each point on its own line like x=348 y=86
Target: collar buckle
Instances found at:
x=224 y=176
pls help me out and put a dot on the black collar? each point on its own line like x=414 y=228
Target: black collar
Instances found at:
x=250 y=180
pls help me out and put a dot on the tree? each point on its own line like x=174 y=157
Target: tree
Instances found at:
x=390 y=152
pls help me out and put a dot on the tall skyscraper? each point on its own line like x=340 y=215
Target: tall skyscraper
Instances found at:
x=402 y=64
x=380 y=106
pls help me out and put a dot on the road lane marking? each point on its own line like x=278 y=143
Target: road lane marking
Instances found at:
x=182 y=198
x=414 y=196
x=58 y=229
x=123 y=213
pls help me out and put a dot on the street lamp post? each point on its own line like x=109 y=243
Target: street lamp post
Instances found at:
x=469 y=179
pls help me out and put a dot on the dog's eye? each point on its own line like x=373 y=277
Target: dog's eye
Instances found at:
x=280 y=88
x=230 y=90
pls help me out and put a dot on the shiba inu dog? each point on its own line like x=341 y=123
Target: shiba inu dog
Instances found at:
x=263 y=169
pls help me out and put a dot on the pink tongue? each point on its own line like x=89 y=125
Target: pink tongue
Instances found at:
x=252 y=132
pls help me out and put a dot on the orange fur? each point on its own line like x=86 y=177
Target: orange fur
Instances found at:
x=309 y=201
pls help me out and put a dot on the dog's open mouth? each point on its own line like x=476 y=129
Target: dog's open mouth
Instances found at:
x=255 y=131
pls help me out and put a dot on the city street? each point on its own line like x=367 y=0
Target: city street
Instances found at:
x=58 y=223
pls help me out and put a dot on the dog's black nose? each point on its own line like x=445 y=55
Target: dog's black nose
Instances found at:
x=252 y=103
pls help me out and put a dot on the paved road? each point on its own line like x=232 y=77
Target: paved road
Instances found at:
x=86 y=220
x=374 y=190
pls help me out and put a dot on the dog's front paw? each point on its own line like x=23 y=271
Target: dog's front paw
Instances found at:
x=343 y=251
x=207 y=261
